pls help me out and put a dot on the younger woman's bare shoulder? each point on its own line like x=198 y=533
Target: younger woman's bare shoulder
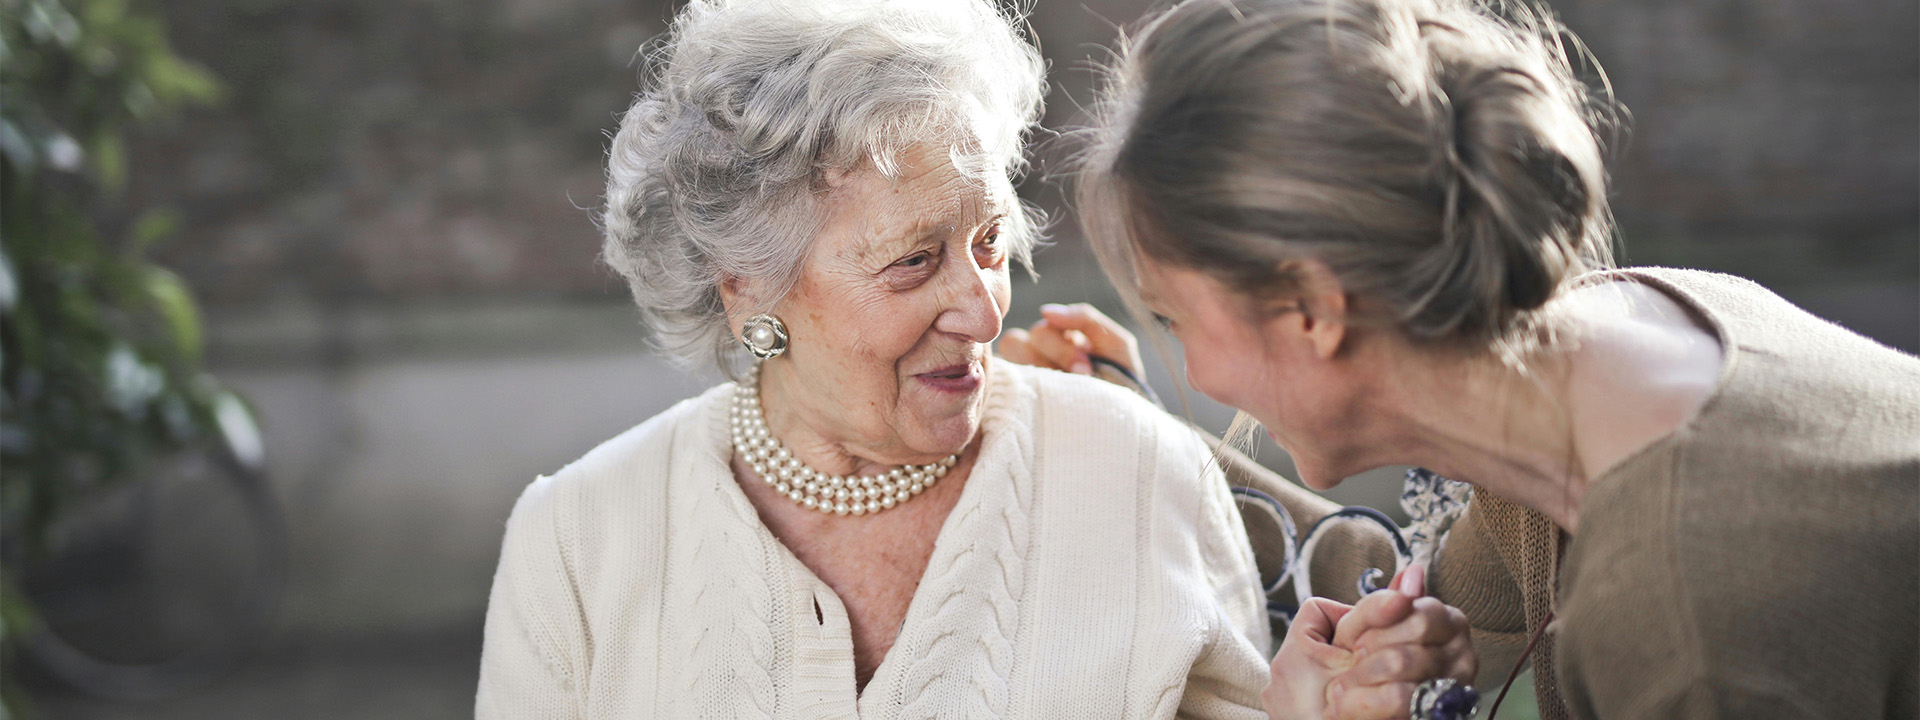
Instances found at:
x=1642 y=366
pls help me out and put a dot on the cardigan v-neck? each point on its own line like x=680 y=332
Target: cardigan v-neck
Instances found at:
x=823 y=649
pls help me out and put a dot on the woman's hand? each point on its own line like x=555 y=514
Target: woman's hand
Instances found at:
x=1428 y=640
x=1363 y=661
x=1067 y=336
x=1308 y=662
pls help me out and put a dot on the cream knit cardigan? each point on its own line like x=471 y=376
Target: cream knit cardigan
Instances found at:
x=1094 y=567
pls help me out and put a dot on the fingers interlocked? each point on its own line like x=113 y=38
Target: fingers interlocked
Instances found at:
x=1371 y=656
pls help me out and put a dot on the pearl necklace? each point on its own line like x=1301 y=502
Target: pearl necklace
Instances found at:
x=814 y=490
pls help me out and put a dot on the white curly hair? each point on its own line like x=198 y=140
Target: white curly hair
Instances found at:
x=717 y=168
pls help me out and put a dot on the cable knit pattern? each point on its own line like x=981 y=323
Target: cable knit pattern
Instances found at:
x=1092 y=567
x=726 y=662
x=963 y=668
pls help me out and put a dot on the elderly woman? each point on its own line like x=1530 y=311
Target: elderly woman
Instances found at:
x=1380 y=228
x=876 y=518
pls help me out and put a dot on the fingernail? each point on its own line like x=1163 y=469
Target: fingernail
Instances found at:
x=1053 y=307
x=1083 y=367
x=1416 y=580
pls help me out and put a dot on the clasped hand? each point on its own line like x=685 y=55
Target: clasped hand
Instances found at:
x=1362 y=661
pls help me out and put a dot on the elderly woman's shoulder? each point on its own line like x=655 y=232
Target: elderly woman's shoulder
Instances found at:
x=1055 y=387
x=635 y=461
x=1098 y=414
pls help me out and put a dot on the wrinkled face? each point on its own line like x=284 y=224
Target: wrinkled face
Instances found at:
x=1264 y=367
x=892 y=318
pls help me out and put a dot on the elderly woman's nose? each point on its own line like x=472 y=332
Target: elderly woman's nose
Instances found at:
x=972 y=309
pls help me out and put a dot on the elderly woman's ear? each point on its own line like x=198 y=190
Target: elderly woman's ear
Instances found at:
x=736 y=297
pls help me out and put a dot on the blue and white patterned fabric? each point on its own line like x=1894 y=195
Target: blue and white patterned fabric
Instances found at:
x=1432 y=503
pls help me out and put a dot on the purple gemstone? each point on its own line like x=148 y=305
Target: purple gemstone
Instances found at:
x=1456 y=703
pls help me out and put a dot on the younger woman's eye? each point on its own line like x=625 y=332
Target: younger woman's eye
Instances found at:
x=1165 y=323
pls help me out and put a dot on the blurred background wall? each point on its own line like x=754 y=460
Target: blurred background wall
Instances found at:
x=388 y=221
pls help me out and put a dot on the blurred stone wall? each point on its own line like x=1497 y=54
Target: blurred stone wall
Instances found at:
x=379 y=151
x=1766 y=124
x=374 y=151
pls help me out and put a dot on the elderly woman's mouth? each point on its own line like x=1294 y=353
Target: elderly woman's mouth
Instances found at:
x=958 y=378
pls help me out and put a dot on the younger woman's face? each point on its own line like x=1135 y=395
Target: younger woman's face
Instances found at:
x=1262 y=365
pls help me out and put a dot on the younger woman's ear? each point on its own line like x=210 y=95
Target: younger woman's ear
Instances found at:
x=1323 y=305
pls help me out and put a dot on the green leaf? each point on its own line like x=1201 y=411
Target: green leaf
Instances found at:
x=154 y=225
x=140 y=101
x=174 y=302
x=9 y=283
x=239 y=430
x=6 y=48
x=173 y=80
x=18 y=616
x=17 y=147
x=109 y=156
x=132 y=383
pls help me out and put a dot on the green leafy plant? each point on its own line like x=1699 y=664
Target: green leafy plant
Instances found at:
x=100 y=348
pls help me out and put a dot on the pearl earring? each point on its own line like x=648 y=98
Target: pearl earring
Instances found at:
x=764 y=335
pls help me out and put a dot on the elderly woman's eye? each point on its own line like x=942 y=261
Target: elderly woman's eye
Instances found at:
x=989 y=247
x=912 y=270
